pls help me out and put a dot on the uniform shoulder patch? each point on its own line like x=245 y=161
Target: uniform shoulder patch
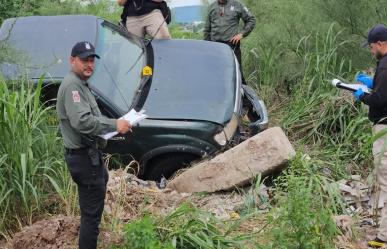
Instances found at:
x=76 y=97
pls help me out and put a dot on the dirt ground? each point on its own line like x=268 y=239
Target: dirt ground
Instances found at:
x=57 y=232
x=128 y=197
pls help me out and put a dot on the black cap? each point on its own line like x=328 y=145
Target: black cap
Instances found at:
x=83 y=50
x=376 y=33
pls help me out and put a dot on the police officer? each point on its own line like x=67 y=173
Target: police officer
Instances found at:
x=377 y=102
x=222 y=25
x=80 y=122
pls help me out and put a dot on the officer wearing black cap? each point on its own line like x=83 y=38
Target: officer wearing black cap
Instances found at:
x=377 y=102
x=81 y=122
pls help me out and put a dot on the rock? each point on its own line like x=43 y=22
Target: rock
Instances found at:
x=356 y=177
x=264 y=153
x=344 y=222
x=348 y=189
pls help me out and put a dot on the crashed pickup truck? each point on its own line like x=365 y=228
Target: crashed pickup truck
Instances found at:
x=191 y=90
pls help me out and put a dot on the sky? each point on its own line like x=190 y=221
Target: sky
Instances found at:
x=179 y=3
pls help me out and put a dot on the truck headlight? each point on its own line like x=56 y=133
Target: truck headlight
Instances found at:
x=221 y=138
x=228 y=131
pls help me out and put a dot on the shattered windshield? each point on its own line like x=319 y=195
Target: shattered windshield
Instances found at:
x=117 y=73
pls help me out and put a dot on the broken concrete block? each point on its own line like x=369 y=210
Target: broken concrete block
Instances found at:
x=264 y=153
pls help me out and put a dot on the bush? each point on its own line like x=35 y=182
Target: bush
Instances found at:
x=302 y=223
x=185 y=228
x=303 y=217
x=142 y=234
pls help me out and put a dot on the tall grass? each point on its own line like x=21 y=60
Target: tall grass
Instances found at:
x=185 y=228
x=31 y=160
x=321 y=60
x=305 y=201
x=321 y=116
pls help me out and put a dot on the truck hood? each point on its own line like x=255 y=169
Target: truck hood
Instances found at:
x=192 y=80
x=47 y=50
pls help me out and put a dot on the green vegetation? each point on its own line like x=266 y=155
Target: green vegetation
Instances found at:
x=290 y=59
x=30 y=156
x=141 y=234
x=15 y=8
x=185 y=228
x=293 y=54
x=306 y=201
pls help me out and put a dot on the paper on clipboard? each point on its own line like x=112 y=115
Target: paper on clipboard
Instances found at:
x=356 y=87
x=132 y=116
x=351 y=87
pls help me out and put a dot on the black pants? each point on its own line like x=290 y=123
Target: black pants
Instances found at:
x=238 y=54
x=91 y=181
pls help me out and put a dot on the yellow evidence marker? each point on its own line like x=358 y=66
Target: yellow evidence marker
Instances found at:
x=147 y=71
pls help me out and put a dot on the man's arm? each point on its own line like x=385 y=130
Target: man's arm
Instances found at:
x=378 y=98
x=79 y=112
x=248 y=19
x=121 y=2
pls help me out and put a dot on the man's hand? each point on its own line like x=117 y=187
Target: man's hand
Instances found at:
x=121 y=2
x=358 y=93
x=365 y=79
x=123 y=126
x=236 y=39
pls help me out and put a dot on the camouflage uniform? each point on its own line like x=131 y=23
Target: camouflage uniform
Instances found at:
x=222 y=24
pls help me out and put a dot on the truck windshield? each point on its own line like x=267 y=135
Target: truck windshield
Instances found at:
x=117 y=73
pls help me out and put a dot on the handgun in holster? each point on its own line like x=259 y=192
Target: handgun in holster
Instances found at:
x=92 y=151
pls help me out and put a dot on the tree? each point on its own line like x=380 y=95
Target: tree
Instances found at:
x=355 y=16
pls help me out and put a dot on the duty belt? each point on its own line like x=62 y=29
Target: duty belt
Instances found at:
x=80 y=151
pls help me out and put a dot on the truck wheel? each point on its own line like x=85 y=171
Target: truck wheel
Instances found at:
x=166 y=165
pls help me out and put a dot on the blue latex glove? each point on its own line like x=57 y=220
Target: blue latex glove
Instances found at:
x=358 y=93
x=365 y=79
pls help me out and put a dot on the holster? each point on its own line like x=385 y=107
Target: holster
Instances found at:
x=93 y=152
x=95 y=157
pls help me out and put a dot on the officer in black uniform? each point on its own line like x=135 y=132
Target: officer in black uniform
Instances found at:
x=81 y=122
x=377 y=102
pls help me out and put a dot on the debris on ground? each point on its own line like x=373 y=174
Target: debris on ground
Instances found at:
x=128 y=198
x=356 y=195
x=267 y=152
x=360 y=214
